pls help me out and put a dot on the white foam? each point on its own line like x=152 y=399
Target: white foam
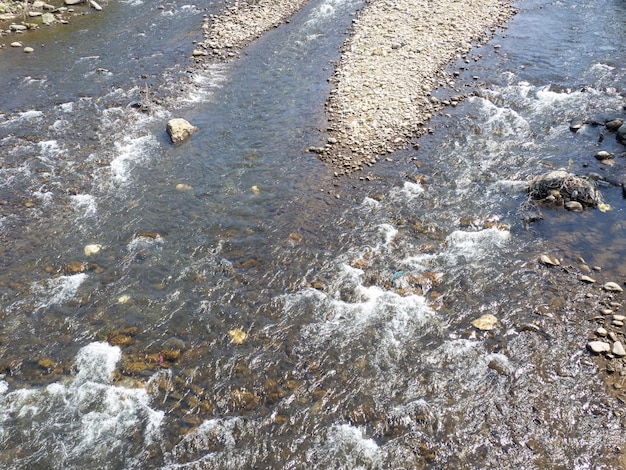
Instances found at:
x=84 y=203
x=388 y=232
x=57 y=290
x=88 y=417
x=476 y=244
x=4 y=386
x=129 y=153
x=29 y=115
x=346 y=447
x=67 y=107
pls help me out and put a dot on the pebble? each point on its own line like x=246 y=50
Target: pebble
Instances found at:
x=92 y=249
x=612 y=287
x=618 y=349
x=29 y=50
x=602 y=332
x=603 y=155
x=599 y=347
x=16 y=44
x=485 y=323
x=619 y=317
x=237 y=336
x=587 y=279
x=548 y=260
x=573 y=206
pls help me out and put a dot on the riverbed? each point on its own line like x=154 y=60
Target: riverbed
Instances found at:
x=240 y=306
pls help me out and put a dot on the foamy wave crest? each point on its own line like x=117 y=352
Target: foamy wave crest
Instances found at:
x=58 y=290
x=84 y=203
x=85 y=420
x=345 y=447
x=129 y=153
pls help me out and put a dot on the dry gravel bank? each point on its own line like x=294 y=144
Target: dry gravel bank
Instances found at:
x=394 y=58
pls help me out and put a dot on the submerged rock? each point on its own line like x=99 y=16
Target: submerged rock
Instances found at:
x=180 y=129
x=485 y=323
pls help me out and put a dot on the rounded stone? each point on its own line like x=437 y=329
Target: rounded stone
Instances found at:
x=573 y=206
x=612 y=287
x=598 y=347
x=29 y=49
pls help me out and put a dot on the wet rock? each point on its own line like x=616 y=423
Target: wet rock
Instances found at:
x=48 y=18
x=96 y=6
x=602 y=332
x=485 y=323
x=586 y=279
x=573 y=206
x=92 y=249
x=180 y=130
x=576 y=125
x=621 y=134
x=237 y=336
x=16 y=44
x=18 y=27
x=603 y=155
x=548 y=260
x=29 y=49
x=75 y=267
x=614 y=124
x=618 y=349
x=170 y=355
x=598 y=347
x=612 y=287
x=73 y=2
x=565 y=185
x=182 y=187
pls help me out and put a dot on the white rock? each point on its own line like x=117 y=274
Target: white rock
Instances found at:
x=95 y=5
x=28 y=49
x=602 y=331
x=587 y=279
x=16 y=44
x=612 y=287
x=485 y=323
x=549 y=260
x=618 y=349
x=619 y=317
x=92 y=249
x=179 y=130
x=599 y=347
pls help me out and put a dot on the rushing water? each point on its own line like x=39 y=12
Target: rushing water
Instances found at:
x=248 y=310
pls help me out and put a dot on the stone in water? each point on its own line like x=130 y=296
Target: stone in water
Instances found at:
x=485 y=323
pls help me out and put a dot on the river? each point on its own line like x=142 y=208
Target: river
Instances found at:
x=229 y=303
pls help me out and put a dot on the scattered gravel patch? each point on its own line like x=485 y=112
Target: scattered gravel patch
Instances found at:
x=225 y=34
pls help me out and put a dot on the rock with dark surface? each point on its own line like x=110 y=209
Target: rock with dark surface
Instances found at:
x=180 y=130
x=621 y=134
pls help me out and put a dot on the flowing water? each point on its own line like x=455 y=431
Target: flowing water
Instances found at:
x=246 y=309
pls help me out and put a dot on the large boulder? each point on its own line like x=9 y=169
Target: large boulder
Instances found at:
x=180 y=129
x=566 y=186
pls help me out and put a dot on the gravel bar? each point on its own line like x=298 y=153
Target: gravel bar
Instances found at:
x=393 y=60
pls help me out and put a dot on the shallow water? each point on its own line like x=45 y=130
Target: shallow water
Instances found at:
x=355 y=294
